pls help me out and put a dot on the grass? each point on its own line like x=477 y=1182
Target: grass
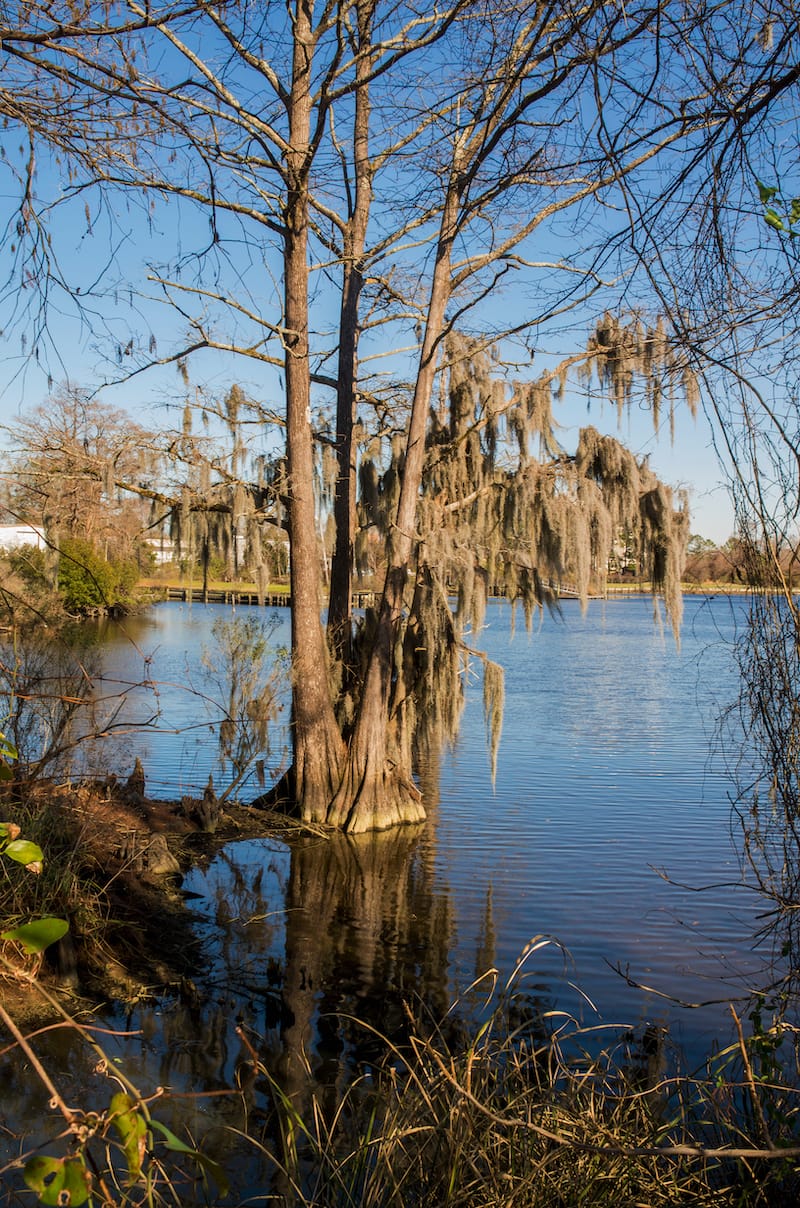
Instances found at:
x=537 y=1111
x=179 y=581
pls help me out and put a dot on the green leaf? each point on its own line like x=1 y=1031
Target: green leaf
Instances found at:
x=173 y=1142
x=208 y=1165
x=5 y=771
x=23 y=851
x=132 y=1128
x=794 y=211
x=38 y=935
x=58 y=1181
x=766 y=192
x=773 y=219
x=7 y=748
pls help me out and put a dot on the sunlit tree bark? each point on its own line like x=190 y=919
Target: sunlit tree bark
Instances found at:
x=354 y=239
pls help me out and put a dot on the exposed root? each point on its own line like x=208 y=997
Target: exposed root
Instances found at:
x=281 y=798
x=377 y=799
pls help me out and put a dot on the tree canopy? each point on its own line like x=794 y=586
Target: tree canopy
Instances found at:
x=384 y=210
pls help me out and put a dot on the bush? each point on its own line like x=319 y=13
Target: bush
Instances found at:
x=88 y=582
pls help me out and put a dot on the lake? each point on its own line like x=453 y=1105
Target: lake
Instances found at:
x=608 y=828
x=608 y=825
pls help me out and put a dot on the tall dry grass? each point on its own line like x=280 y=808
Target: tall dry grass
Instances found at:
x=536 y=1110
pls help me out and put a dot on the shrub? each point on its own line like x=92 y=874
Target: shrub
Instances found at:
x=30 y=564
x=88 y=582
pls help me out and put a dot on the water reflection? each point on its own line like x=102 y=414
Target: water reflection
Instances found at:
x=300 y=937
x=366 y=932
x=604 y=776
x=314 y=951
x=309 y=951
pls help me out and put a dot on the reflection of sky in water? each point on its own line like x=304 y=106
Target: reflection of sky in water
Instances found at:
x=170 y=704
x=604 y=777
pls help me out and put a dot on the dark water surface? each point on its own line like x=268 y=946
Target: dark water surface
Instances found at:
x=608 y=828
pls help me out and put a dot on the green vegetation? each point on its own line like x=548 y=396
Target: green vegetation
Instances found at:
x=116 y=1146
x=34 y=936
x=87 y=581
x=781 y=213
x=42 y=883
x=171 y=576
x=8 y=753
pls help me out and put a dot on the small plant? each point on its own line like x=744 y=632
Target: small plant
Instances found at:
x=8 y=753
x=780 y=213
x=113 y=1156
x=32 y=937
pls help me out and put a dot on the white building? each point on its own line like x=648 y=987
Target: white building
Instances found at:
x=163 y=549
x=12 y=536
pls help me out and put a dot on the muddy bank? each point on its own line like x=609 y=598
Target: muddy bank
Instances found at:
x=113 y=867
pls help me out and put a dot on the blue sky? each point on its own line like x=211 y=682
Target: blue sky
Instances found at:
x=83 y=344
x=108 y=256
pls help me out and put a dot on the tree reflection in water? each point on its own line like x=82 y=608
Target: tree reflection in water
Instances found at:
x=315 y=949
x=365 y=933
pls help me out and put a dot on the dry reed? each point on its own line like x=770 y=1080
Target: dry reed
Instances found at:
x=534 y=1108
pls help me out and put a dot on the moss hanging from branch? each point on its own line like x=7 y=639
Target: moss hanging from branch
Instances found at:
x=622 y=352
x=505 y=507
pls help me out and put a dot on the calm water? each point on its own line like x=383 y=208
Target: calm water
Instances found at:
x=608 y=828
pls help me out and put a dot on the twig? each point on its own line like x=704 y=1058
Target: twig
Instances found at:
x=751 y=1082
x=70 y=1114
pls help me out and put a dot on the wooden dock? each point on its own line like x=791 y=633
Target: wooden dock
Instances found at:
x=281 y=599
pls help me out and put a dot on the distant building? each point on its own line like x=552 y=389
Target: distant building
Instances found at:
x=163 y=549
x=12 y=536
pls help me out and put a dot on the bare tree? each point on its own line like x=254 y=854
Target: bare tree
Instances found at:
x=471 y=132
x=66 y=458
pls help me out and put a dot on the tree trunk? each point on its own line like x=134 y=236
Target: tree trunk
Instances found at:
x=376 y=792
x=344 y=504
x=205 y=557
x=318 y=748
